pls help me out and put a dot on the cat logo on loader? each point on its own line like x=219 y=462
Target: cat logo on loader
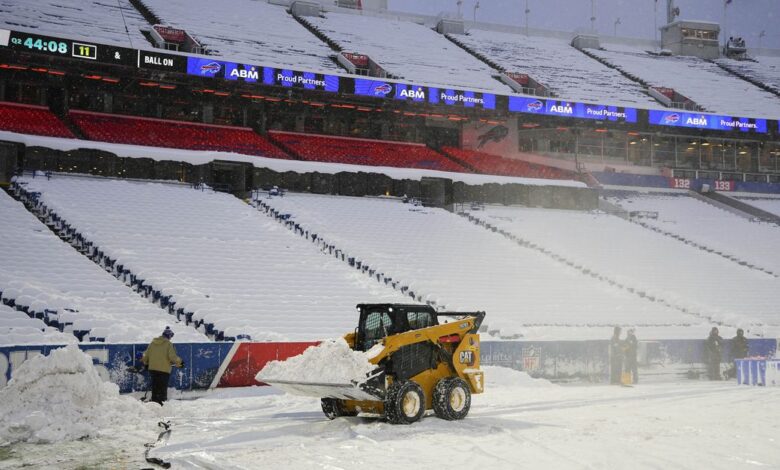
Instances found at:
x=421 y=365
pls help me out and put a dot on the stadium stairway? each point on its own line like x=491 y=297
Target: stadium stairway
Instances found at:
x=748 y=79
x=687 y=241
x=736 y=206
x=320 y=35
x=476 y=54
x=331 y=249
x=634 y=289
x=286 y=148
x=83 y=245
x=609 y=64
x=636 y=218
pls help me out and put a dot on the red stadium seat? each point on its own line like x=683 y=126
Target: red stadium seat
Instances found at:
x=173 y=134
x=29 y=119
x=496 y=165
x=353 y=151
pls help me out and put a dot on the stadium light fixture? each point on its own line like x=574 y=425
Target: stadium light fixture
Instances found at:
x=617 y=22
x=476 y=6
x=527 y=13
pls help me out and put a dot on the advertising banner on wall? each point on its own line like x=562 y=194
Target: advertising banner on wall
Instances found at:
x=706 y=121
x=530 y=105
x=423 y=94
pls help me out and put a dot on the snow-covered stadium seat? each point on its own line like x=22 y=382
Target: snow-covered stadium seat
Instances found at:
x=217 y=258
x=451 y=261
x=411 y=51
x=16 y=328
x=254 y=32
x=701 y=81
x=658 y=265
x=49 y=278
x=764 y=69
x=101 y=21
x=768 y=204
x=563 y=69
x=752 y=242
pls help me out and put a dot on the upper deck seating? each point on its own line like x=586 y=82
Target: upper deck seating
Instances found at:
x=703 y=82
x=563 y=69
x=249 y=31
x=409 y=51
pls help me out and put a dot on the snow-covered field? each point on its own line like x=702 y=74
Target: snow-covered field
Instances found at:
x=517 y=423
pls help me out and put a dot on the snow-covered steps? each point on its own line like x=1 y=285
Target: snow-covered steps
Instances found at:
x=710 y=227
x=49 y=280
x=703 y=82
x=18 y=327
x=409 y=51
x=462 y=267
x=214 y=257
x=689 y=278
x=560 y=67
x=248 y=31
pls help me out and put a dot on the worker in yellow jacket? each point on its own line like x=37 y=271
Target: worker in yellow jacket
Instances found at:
x=159 y=357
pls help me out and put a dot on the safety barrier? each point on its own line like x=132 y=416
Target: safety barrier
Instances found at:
x=210 y=365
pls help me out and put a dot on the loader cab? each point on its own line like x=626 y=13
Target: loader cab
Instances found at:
x=380 y=320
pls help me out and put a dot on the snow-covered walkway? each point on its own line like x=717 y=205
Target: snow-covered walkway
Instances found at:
x=517 y=423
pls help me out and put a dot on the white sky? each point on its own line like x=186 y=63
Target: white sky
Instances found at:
x=746 y=18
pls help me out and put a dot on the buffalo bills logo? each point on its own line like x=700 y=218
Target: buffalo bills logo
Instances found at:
x=496 y=134
x=383 y=89
x=672 y=118
x=535 y=106
x=210 y=68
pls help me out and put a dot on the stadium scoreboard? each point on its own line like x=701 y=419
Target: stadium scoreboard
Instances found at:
x=66 y=48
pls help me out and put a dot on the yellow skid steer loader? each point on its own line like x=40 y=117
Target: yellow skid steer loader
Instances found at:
x=421 y=364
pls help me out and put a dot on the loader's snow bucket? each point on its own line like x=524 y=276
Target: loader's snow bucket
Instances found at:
x=348 y=391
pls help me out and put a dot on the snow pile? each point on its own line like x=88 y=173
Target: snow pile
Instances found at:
x=332 y=362
x=497 y=377
x=61 y=397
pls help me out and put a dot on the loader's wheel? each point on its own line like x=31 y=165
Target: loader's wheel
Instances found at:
x=333 y=408
x=404 y=402
x=451 y=398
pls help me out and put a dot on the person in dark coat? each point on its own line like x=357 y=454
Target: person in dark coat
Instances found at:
x=159 y=357
x=615 y=357
x=713 y=348
x=631 y=344
x=739 y=350
x=739 y=345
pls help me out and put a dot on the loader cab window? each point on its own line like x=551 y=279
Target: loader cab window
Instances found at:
x=419 y=320
x=378 y=325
